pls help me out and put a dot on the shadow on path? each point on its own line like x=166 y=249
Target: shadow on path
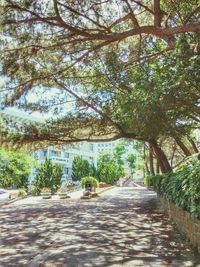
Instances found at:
x=123 y=228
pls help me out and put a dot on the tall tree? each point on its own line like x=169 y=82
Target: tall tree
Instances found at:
x=80 y=168
x=49 y=175
x=108 y=169
x=131 y=159
x=133 y=85
x=119 y=151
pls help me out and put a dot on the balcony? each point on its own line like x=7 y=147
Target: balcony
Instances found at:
x=60 y=159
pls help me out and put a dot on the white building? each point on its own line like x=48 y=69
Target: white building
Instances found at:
x=106 y=146
x=65 y=155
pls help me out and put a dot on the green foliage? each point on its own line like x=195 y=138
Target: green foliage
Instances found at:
x=119 y=151
x=49 y=175
x=89 y=179
x=33 y=190
x=93 y=170
x=131 y=159
x=81 y=168
x=15 y=169
x=21 y=193
x=141 y=96
x=181 y=187
x=108 y=169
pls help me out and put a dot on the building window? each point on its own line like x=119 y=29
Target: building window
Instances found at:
x=66 y=170
x=91 y=147
x=55 y=153
x=66 y=155
x=45 y=153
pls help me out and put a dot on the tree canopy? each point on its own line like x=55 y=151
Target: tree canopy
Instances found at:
x=80 y=168
x=48 y=175
x=130 y=68
x=108 y=168
x=15 y=168
x=39 y=35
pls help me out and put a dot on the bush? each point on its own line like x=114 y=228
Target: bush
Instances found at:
x=89 y=179
x=33 y=190
x=21 y=193
x=182 y=187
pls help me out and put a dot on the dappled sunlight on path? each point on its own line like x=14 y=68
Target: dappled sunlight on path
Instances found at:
x=122 y=228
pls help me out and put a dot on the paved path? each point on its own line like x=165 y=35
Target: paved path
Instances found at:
x=122 y=228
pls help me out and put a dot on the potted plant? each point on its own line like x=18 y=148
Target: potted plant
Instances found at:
x=63 y=193
x=90 y=184
x=46 y=193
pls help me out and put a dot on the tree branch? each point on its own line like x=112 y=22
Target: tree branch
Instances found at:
x=188 y=17
x=132 y=15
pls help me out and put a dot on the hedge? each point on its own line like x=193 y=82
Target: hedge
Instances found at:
x=181 y=187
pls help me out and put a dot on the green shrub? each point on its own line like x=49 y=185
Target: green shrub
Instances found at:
x=89 y=179
x=181 y=187
x=21 y=193
x=33 y=190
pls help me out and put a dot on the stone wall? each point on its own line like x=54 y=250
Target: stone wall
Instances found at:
x=187 y=225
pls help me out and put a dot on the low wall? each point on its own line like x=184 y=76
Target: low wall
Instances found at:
x=187 y=225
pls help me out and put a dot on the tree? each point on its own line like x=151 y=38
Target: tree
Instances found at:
x=131 y=159
x=79 y=33
x=108 y=169
x=48 y=175
x=126 y=89
x=93 y=170
x=119 y=151
x=80 y=168
x=168 y=109
x=15 y=168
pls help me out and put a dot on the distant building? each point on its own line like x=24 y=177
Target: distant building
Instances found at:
x=106 y=146
x=64 y=155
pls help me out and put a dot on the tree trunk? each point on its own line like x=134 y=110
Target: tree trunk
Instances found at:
x=152 y=172
x=173 y=153
x=185 y=150
x=193 y=145
x=157 y=13
x=161 y=157
x=147 y=168
x=157 y=167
